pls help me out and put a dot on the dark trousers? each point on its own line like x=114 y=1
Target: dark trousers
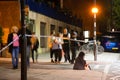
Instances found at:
x=73 y=50
x=51 y=53
x=34 y=54
x=58 y=54
x=66 y=53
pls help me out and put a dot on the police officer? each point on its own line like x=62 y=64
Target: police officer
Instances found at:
x=66 y=45
x=73 y=46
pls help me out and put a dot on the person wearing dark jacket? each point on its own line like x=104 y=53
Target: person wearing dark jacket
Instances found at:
x=28 y=49
x=14 y=47
x=34 y=46
x=66 y=45
x=74 y=45
x=80 y=63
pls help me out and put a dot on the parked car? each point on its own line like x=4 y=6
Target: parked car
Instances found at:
x=111 y=41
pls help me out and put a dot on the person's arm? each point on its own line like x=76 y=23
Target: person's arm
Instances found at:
x=87 y=66
x=9 y=38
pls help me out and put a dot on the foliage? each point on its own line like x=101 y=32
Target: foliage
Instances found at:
x=116 y=13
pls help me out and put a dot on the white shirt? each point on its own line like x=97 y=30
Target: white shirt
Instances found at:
x=57 y=44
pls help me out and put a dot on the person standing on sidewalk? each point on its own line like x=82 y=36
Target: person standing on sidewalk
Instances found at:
x=14 y=47
x=57 y=48
x=28 y=48
x=51 y=39
x=66 y=45
x=60 y=49
x=73 y=46
x=34 y=46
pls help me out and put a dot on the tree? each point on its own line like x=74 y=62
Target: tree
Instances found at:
x=116 y=14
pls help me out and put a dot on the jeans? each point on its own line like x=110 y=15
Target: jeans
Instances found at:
x=28 y=55
x=15 y=53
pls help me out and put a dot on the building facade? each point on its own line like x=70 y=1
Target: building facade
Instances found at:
x=43 y=20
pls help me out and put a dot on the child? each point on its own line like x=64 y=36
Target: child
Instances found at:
x=80 y=63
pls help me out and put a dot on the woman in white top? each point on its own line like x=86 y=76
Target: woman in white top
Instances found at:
x=57 y=48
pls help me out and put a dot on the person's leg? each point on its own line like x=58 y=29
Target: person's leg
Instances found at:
x=36 y=55
x=13 y=58
x=28 y=56
x=51 y=55
x=56 y=55
x=60 y=55
x=68 y=54
x=32 y=55
x=73 y=55
x=65 y=54
x=16 y=56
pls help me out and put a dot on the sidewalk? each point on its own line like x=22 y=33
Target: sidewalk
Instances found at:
x=44 y=70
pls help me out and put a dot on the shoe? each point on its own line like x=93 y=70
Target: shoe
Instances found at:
x=15 y=67
x=36 y=61
x=33 y=61
x=58 y=62
x=65 y=61
x=52 y=61
x=72 y=62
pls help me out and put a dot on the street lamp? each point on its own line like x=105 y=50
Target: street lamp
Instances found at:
x=24 y=17
x=95 y=11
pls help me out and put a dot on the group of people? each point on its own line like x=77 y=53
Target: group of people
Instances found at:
x=15 y=38
x=63 y=43
x=59 y=43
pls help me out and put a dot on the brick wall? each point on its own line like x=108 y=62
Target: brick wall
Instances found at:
x=9 y=14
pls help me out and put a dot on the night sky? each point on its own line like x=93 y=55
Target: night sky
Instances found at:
x=82 y=9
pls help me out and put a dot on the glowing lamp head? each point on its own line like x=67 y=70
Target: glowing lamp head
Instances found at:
x=95 y=10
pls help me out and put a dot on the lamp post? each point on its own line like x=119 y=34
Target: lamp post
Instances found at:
x=24 y=11
x=95 y=11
